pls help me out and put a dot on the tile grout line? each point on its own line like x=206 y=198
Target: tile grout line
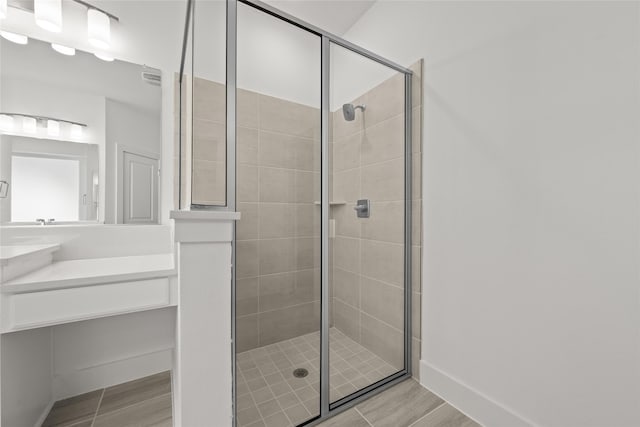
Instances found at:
x=295 y=393
x=93 y=421
x=303 y=348
x=428 y=413
x=363 y=417
x=170 y=394
x=283 y=410
x=252 y=399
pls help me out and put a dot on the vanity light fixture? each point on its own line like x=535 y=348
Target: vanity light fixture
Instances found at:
x=53 y=127
x=13 y=37
x=48 y=14
x=104 y=56
x=76 y=130
x=65 y=50
x=98 y=29
x=6 y=122
x=29 y=124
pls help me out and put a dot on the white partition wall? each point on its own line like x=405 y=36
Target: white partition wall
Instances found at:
x=202 y=374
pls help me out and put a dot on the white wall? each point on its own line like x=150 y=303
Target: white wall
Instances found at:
x=277 y=59
x=26 y=377
x=352 y=75
x=28 y=96
x=530 y=306
x=101 y=352
x=274 y=58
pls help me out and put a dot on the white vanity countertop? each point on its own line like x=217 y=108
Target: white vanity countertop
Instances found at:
x=93 y=271
x=10 y=253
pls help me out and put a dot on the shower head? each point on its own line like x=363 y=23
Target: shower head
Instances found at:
x=349 y=111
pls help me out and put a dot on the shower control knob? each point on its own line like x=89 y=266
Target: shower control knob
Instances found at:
x=363 y=208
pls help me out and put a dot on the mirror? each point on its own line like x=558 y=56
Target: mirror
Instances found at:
x=51 y=179
x=80 y=136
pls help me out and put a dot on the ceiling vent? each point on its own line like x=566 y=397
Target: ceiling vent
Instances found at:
x=150 y=75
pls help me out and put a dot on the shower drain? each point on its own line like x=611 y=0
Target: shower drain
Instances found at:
x=300 y=373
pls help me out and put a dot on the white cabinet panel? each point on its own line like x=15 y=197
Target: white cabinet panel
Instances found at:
x=32 y=309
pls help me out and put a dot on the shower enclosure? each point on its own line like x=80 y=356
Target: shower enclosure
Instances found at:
x=309 y=137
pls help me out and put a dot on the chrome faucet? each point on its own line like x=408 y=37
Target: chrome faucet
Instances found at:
x=43 y=221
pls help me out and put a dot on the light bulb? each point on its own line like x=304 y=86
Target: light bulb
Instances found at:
x=76 y=131
x=99 y=29
x=48 y=14
x=13 y=37
x=65 y=50
x=104 y=56
x=6 y=122
x=29 y=125
x=53 y=127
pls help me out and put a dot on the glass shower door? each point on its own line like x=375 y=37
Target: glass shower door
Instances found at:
x=306 y=136
x=367 y=215
x=278 y=236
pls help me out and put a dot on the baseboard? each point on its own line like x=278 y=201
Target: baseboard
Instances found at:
x=471 y=402
x=84 y=380
x=44 y=414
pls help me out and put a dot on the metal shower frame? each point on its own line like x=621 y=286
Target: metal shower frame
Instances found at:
x=327 y=409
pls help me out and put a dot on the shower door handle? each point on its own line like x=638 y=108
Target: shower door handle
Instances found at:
x=363 y=208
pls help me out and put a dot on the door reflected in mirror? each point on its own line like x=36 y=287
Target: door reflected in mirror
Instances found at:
x=80 y=137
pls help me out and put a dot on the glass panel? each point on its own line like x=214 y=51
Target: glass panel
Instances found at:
x=207 y=104
x=366 y=337
x=182 y=124
x=278 y=236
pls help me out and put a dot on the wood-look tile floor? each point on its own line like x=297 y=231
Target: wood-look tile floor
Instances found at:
x=145 y=402
x=407 y=404
x=269 y=396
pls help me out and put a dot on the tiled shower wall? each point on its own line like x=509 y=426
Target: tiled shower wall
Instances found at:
x=368 y=163
x=278 y=194
x=207 y=110
x=278 y=237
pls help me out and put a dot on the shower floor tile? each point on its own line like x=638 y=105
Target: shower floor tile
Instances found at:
x=268 y=390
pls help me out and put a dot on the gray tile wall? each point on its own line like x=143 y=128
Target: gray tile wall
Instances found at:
x=368 y=157
x=206 y=111
x=278 y=237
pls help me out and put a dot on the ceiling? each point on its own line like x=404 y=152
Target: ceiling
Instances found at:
x=150 y=31
x=334 y=16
